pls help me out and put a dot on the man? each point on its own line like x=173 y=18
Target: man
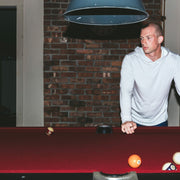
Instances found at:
x=146 y=77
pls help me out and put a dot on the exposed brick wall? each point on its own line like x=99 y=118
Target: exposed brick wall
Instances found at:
x=82 y=67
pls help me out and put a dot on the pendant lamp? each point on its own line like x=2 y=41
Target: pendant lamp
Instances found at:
x=105 y=12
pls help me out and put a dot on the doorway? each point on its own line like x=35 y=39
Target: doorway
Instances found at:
x=8 y=66
x=29 y=61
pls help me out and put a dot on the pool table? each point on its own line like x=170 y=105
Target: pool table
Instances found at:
x=68 y=153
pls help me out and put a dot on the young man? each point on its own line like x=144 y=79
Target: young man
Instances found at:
x=146 y=77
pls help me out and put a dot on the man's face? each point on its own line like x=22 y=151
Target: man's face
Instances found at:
x=150 y=41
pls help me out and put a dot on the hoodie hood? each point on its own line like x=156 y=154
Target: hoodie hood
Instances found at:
x=141 y=53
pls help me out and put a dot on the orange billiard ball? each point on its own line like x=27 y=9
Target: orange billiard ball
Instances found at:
x=134 y=161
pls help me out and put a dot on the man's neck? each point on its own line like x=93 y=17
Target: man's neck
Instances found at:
x=154 y=55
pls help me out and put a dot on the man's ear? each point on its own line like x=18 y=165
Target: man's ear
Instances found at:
x=160 y=39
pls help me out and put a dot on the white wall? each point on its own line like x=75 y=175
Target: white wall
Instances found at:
x=172 y=41
x=33 y=101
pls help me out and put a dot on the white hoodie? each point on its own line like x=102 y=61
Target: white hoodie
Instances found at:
x=145 y=85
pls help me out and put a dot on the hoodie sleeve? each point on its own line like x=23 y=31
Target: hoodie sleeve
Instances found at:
x=177 y=75
x=126 y=89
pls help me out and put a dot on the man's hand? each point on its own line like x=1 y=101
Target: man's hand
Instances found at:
x=128 y=127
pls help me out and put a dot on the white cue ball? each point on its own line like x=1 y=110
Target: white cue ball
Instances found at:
x=176 y=158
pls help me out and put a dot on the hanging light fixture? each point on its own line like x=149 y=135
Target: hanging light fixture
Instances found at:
x=105 y=12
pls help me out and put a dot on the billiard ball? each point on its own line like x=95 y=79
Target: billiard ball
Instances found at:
x=168 y=167
x=134 y=161
x=50 y=131
x=176 y=158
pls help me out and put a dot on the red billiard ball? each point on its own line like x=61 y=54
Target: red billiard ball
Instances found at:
x=134 y=161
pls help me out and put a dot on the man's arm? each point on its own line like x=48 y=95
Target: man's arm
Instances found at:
x=126 y=89
x=177 y=76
